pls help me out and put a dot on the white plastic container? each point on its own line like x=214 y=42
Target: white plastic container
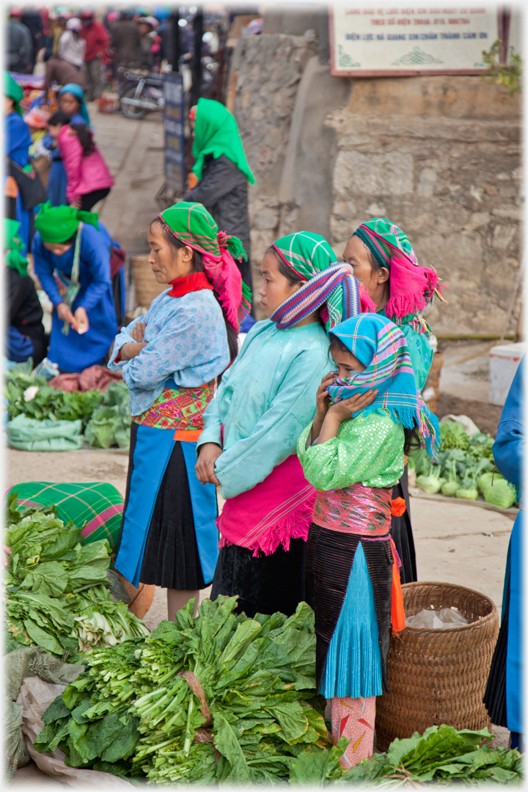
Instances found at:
x=503 y=362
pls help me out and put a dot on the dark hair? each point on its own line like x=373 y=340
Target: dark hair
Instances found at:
x=198 y=266
x=58 y=117
x=85 y=138
x=284 y=269
x=412 y=438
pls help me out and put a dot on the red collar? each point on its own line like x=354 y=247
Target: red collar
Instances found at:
x=190 y=283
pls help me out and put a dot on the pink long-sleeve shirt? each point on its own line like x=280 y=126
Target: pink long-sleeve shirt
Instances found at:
x=84 y=173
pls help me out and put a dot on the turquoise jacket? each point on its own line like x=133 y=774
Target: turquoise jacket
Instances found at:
x=264 y=402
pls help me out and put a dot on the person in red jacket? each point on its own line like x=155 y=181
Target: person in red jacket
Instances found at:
x=97 y=42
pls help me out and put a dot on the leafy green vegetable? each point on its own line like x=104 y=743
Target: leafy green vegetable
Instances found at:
x=453 y=435
x=498 y=491
x=432 y=482
x=258 y=679
x=58 y=593
x=442 y=754
x=110 y=424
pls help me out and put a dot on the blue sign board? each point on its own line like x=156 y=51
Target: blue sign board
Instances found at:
x=174 y=138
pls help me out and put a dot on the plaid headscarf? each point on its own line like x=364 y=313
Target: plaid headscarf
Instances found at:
x=329 y=281
x=380 y=346
x=192 y=225
x=411 y=287
x=13 y=91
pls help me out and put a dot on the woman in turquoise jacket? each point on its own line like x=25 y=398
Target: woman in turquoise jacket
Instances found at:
x=382 y=257
x=248 y=446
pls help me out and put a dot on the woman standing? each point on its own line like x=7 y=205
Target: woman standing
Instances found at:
x=71 y=44
x=170 y=358
x=72 y=261
x=382 y=257
x=251 y=428
x=353 y=455
x=18 y=141
x=223 y=173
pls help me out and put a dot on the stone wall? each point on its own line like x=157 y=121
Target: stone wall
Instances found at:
x=439 y=156
x=269 y=69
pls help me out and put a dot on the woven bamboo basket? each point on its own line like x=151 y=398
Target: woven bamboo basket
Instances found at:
x=147 y=287
x=438 y=676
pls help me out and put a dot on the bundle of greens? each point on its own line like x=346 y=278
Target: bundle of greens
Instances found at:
x=442 y=754
x=110 y=423
x=222 y=698
x=57 y=589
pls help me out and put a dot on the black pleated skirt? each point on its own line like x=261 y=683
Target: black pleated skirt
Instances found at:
x=401 y=532
x=495 y=695
x=265 y=583
x=329 y=563
x=171 y=557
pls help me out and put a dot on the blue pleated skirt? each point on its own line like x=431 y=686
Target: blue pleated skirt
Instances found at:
x=353 y=663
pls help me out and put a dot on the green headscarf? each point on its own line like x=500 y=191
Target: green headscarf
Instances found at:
x=216 y=132
x=192 y=225
x=13 y=90
x=13 y=246
x=57 y=224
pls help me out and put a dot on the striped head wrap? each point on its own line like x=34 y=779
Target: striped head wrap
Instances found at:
x=329 y=283
x=411 y=287
x=192 y=225
x=381 y=346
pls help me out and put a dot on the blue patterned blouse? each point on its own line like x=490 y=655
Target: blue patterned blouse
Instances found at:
x=186 y=341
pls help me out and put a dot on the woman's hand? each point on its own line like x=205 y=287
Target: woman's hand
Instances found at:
x=138 y=332
x=81 y=323
x=129 y=351
x=322 y=401
x=343 y=410
x=64 y=313
x=205 y=467
x=76 y=204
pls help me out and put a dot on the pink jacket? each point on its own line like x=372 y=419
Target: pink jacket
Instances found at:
x=84 y=174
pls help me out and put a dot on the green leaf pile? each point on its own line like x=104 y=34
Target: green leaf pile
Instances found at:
x=258 y=680
x=57 y=589
x=105 y=416
x=465 y=468
x=442 y=755
x=110 y=423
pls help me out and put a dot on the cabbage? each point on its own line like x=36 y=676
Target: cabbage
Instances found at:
x=485 y=480
x=499 y=492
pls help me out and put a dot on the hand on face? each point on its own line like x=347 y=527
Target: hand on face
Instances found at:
x=343 y=410
x=167 y=261
x=322 y=398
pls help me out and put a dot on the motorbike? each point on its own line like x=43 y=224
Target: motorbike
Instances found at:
x=141 y=93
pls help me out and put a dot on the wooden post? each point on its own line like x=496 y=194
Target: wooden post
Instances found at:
x=230 y=104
